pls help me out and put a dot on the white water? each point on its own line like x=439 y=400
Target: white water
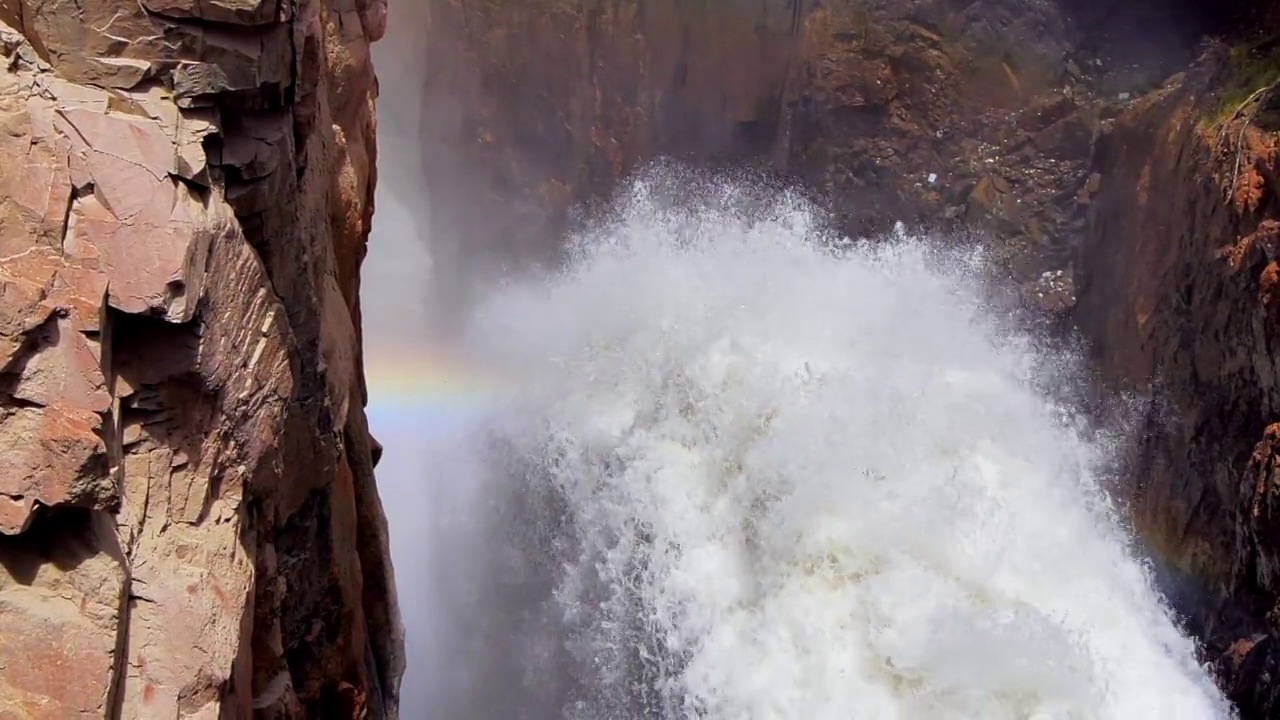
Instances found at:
x=754 y=479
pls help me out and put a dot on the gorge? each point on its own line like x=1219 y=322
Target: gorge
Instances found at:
x=191 y=524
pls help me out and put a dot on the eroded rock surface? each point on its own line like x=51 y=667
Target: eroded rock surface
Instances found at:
x=966 y=117
x=1178 y=280
x=189 y=525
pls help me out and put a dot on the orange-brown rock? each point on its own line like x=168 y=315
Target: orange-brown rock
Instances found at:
x=189 y=525
x=1176 y=283
x=893 y=110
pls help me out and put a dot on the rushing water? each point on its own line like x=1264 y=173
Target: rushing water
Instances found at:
x=743 y=474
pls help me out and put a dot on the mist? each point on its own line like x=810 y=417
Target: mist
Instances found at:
x=394 y=296
x=441 y=527
x=474 y=548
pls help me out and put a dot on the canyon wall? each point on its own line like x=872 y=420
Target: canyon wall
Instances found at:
x=963 y=116
x=189 y=525
x=1178 y=295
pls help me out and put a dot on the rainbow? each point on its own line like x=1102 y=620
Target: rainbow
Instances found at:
x=420 y=378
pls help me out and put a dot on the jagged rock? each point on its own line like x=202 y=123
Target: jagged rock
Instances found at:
x=1176 y=292
x=1065 y=138
x=189 y=525
x=993 y=197
x=61 y=617
x=241 y=12
x=51 y=457
x=890 y=111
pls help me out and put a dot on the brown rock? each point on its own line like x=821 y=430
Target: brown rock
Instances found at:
x=993 y=197
x=1175 y=292
x=50 y=456
x=61 y=601
x=241 y=12
x=1047 y=111
x=1068 y=137
x=860 y=102
x=180 y=391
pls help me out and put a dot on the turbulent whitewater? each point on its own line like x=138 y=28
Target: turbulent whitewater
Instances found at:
x=762 y=475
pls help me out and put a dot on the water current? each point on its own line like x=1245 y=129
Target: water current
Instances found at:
x=739 y=470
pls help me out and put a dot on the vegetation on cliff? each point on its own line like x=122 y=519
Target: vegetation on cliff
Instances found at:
x=1250 y=75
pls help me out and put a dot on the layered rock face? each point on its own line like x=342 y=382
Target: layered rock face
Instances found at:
x=955 y=115
x=1178 y=295
x=189 y=525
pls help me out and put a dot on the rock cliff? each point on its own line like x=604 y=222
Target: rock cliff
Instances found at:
x=1178 y=296
x=961 y=116
x=189 y=525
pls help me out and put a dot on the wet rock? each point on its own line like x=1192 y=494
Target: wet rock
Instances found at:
x=1047 y=111
x=1176 y=282
x=858 y=103
x=993 y=197
x=1252 y=663
x=1090 y=188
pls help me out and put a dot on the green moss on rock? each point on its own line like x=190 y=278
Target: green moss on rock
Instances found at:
x=1251 y=68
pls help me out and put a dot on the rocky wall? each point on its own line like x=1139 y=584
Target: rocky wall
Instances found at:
x=189 y=524
x=1177 y=296
x=966 y=117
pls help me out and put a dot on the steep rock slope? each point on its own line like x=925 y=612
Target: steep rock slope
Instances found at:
x=1178 y=295
x=971 y=116
x=533 y=107
x=189 y=525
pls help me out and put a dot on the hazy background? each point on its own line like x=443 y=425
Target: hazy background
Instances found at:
x=394 y=289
